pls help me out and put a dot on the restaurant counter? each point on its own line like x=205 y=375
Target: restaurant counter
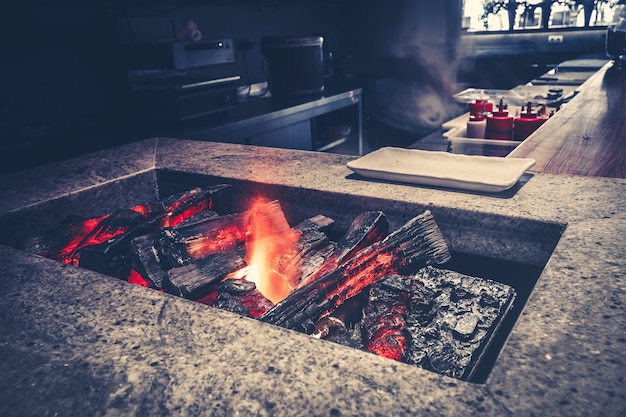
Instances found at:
x=587 y=136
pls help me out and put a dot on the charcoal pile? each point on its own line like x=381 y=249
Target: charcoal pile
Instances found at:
x=384 y=292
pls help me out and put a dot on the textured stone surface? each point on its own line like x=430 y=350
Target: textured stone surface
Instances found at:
x=75 y=343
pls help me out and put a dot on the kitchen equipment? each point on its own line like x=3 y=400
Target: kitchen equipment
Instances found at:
x=179 y=55
x=295 y=65
x=176 y=82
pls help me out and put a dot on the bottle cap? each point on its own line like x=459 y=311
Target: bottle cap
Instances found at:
x=501 y=111
x=529 y=113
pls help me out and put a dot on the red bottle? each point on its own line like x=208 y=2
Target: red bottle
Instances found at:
x=500 y=124
x=526 y=123
x=481 y=107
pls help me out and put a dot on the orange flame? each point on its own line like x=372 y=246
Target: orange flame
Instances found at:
x=271 y=242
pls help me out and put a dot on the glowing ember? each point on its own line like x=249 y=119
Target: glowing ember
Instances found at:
x=135 y=277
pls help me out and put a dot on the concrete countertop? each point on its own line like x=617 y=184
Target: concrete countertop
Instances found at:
x=76 y=343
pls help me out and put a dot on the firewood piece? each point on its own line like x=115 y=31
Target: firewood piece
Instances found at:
x=65 y=237
x=311 y=250
x=319 y=222
x=367 y=228
x=228 y=231
x=197 y=279
x=197 y=218
x=156 y=253
x=419 y=242
x=240 y=297
x=384 y=317
x=176 y=208
x=112 y=258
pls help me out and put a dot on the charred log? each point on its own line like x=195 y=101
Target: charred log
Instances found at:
x=107 y=227
x=198 y=279
x=343 y=325
x=311 y=249
x=228 y=231
x=156 y=253
x=368 y=228
x=238 y=296
x=418 y=243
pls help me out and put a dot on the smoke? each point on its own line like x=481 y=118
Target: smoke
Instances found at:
x=421 y=68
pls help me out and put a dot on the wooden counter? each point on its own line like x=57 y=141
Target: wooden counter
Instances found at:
x=588 y=135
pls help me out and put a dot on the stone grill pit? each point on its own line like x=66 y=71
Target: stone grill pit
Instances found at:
x=451 y=288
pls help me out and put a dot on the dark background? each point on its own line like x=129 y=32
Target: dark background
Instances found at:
x=63 y=78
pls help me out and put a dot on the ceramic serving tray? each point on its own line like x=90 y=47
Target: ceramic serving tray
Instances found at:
x=442 y=169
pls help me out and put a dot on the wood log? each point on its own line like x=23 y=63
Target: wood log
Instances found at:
x=228 y=231
x=198 y=279
x=367 y=228
x=335 y=326
x=156 y=253
x=418 y=243
x=310 y=251
x=238 y=296
x=106 y=227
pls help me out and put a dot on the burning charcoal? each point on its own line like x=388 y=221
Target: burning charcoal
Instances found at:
x=198 y=279
x=63 y=238
x=177 y=208
x=198 y=218
x=366 y=229
x=115 y=231
x=241 y=297
x=384 y=317
x=418 y=242
x=157 y=253
x=104 y=228
x=453 y=321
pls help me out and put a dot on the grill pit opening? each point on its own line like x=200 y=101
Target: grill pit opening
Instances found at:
x=435 y=307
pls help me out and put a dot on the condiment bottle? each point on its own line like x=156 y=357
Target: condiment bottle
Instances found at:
x=526 y=123
x=499 y=124
x=476 y=126
x=481 y=106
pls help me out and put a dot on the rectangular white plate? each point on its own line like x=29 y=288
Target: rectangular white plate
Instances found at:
x=442 y=169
